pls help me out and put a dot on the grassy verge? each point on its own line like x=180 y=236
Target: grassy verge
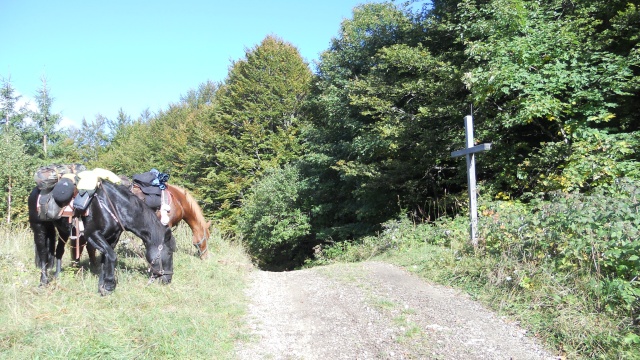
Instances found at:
x=197 y=316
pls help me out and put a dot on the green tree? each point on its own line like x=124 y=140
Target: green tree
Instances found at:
x=255 y=122
x=170 y=141
x=128 y=152
x=45 y=120
x=272 y=223
x=91 y=139
x=381 y=124
x=550 y=93
x=15 y=179
x=14 y=174
x=10 y=114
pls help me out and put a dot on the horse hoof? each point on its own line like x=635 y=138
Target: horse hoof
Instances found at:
x=104 y=292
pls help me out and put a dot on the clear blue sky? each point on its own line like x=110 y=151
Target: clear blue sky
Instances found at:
x=100 y=56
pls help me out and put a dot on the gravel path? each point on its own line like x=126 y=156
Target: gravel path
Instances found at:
x=372 y=310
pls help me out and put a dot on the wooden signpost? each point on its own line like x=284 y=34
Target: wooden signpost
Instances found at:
x=470 y=151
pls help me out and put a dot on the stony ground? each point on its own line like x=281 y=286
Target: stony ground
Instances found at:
x=373 y=310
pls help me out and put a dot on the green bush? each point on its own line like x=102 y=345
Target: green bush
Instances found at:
x=272 y=224
x=592 y=233
x=576 y=236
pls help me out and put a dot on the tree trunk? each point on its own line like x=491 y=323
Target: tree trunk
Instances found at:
x=9 y=188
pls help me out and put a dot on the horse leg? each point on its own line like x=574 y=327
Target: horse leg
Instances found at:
x=107 y=279
x=64 y=232
x=101 y=276
x=42 y=239
x=59 y=253
x=41 y=263
x=91 y=251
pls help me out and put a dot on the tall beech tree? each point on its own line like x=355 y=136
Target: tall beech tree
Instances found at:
x=381 y=122
x=255 y=122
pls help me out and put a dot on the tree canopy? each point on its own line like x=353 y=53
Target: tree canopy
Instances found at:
x=367 y=135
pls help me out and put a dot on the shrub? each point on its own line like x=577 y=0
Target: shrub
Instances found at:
x=272 y=224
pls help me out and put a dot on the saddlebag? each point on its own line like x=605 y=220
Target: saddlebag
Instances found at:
x=48 y=209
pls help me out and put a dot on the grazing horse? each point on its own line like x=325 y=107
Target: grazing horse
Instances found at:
x=113 y=210
x=45 y=234
x=182 y=206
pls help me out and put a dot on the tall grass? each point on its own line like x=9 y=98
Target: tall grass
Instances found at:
x=197 y=316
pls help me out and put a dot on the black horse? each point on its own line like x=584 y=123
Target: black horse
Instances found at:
x=45 y=234
x=113 y=210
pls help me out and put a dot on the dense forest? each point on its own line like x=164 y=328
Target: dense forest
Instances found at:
x=291 y=157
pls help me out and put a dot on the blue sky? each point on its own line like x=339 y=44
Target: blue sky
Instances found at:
x=100 y=56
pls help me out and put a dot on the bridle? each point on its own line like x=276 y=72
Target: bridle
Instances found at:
x=206 y=246
x=155 y=274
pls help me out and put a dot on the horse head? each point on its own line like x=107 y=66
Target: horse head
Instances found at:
x=160 y=257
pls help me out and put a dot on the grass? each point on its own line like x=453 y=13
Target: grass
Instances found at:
x=197 y=316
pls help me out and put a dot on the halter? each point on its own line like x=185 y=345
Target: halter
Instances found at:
x=197 y=245
x=158 y=274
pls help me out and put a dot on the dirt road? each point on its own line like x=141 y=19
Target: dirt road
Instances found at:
x=373 y=310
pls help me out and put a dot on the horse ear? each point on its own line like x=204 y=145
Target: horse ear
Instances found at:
x=208 y=224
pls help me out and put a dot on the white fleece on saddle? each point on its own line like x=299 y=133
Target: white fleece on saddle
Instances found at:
x=89 y=179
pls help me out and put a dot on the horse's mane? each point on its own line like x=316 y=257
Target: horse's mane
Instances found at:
x=188 y=201
x=149 y=216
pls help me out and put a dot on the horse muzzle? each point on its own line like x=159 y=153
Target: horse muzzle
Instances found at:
x=162 y=275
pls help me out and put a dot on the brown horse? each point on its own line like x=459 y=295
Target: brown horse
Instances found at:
x=182 y=206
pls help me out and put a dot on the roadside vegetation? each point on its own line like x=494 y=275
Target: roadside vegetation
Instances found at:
x=565 y=268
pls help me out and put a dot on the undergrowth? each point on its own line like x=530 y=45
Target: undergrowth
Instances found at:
x=565 y=267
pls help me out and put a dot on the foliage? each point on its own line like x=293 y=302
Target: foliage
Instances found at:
x=396 y=235
x=545 y=84
x=271 y=222
x=45 y=120
x=593 y=233
x=171 y=140
x=368 y=148
x=16 y=179
x=91 y=139
x=10 y=114
x=254 y=125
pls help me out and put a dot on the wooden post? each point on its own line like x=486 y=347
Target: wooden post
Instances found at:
x=470 y=151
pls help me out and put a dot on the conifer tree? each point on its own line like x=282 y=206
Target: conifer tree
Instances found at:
x=45 y=120
x=14 y=179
